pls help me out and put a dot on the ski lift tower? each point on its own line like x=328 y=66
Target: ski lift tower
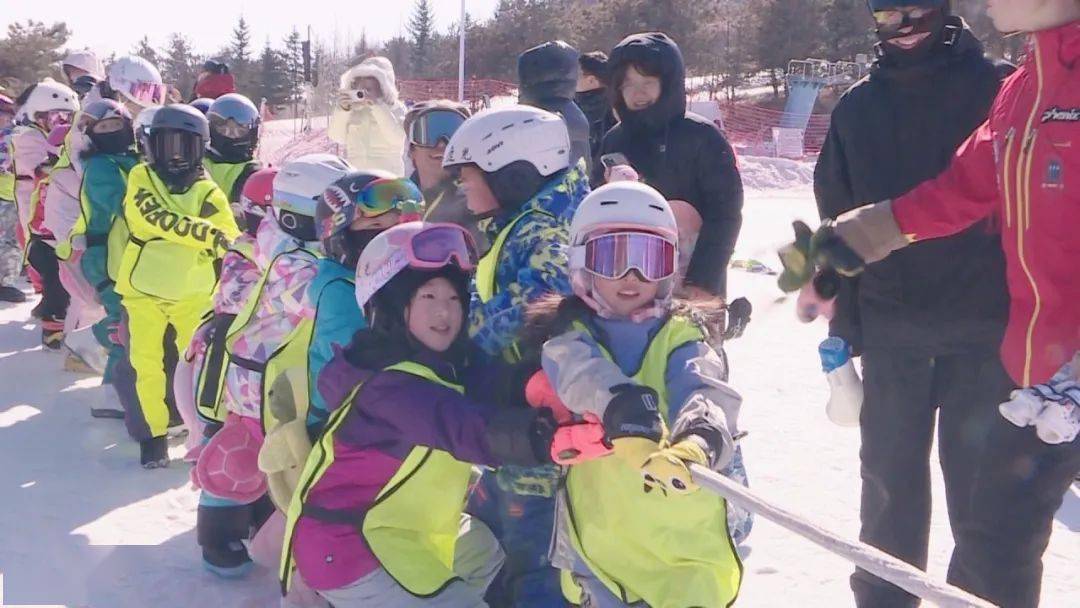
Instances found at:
x=806 y=78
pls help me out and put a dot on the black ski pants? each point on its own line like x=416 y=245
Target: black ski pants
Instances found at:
x=54 y=297
x=906 y=394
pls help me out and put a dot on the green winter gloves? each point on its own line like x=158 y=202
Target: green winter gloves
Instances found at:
x=859 y=237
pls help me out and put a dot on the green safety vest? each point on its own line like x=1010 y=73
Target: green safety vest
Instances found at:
x=63 y=161
x=291 y=352
x=668 y=551
x=7 y=180
x=413 y=525
x=7 y=187
x=211 y=376
x=115 y=240
x=227 y=175
x=176 y=267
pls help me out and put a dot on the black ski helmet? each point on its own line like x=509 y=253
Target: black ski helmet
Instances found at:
x=234 y=128
x=177 y=142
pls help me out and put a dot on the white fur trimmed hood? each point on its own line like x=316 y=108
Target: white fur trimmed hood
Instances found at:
x=378 y=68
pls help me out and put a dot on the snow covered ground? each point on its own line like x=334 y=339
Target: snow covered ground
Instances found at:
x=81 y=524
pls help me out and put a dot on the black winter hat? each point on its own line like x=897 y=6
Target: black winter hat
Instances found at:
x=549 y=70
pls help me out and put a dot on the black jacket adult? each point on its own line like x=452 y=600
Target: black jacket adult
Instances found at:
x=547 y=75
x=596 y=105
x=681 y=154
x=891 y=131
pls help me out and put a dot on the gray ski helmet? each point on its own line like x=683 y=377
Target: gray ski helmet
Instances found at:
x=181 y=117
x=177 y=142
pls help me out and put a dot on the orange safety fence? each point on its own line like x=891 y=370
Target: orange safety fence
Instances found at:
x=751 y=127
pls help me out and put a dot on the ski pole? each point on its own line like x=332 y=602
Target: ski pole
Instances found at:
x=873 y=560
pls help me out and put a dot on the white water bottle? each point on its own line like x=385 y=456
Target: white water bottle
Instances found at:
x=845 y=386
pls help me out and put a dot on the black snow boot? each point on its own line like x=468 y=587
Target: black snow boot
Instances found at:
x=228 y=561
x=11 y=294
x=154 y=453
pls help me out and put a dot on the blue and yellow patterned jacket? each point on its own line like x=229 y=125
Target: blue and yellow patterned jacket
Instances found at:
x=533 y=262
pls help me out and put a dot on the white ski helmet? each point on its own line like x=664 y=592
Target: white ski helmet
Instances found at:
x=49 y=96
x=623 y=205
x=494 y=138
x=86 y=61
x=298 y=187
x=615 y=207
x=137 y=80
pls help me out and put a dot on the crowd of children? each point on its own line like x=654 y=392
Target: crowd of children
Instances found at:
x=404 y=413
x=485 y=383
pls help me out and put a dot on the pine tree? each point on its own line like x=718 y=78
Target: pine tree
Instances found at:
x=787 y=29
x=179 y=66
x=361 y=51
x=421 y=29
x=848 y=29
x=294 y=63
x=273 y=83
x=240 y=55
x=144 y=49
x=29 y=52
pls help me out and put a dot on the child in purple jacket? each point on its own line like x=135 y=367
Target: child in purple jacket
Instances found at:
x=377 y=517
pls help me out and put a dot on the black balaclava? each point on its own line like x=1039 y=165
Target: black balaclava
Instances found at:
x=116 y=142
x=933 y=24
x=355 y=241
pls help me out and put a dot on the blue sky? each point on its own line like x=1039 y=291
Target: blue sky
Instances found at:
x=112 y=26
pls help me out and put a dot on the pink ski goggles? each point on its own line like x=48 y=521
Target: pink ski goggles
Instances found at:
x=57 y=118
x=147 y=93
x=612 y=256
x=435 y=247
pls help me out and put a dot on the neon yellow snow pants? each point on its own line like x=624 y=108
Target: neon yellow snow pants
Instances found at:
x=148 y=319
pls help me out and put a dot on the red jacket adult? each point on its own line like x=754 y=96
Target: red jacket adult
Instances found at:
x=1023 y=167
x=215 y=85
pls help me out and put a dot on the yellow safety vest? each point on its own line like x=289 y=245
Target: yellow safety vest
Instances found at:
x=174 y=238
x=43 y=184
x=291 y=352
x=670 y=552
x=225 y=176
x=7 y=179
x=412 y=527
x=7 y=187
x=211 y=375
